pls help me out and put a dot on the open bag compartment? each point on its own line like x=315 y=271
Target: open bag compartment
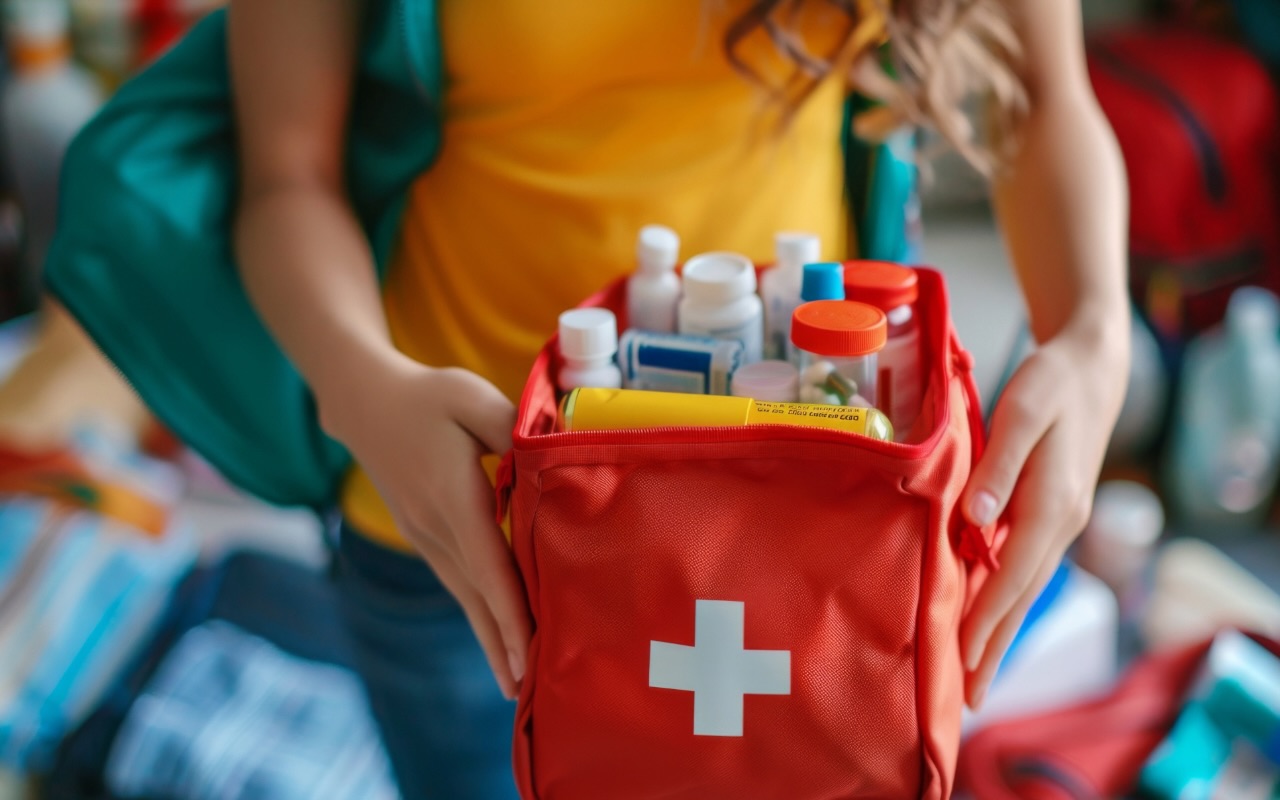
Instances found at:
x=764 y=611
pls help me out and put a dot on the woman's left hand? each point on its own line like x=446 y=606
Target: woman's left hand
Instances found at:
x=1049 y=435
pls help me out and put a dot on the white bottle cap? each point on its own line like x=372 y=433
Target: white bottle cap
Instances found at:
x=588 y=333
x=793 y=249
x=1253 y=311
x=657 y=249
x=773 y=381
x=718 y=278
x=37 y=21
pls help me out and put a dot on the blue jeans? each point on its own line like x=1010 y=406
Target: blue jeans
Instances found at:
x=446 y=725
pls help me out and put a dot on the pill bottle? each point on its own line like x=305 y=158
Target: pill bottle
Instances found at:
x=780 y=287
x=893 y=289
x=720 y=301
x=838 y=343
x=774 y=381
x=589 y=345
x=653 y=292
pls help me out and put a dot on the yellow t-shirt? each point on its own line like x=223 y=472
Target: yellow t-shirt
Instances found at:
x=569 y=124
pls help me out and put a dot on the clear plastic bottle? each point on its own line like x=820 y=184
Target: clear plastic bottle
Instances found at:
x=720 y=301
x=771 y=381
x=46 y=101
x=589 y=347
x=1226 y=436
x=653 y=292
x=838 y=342
x=893 y=289
x=780 y=287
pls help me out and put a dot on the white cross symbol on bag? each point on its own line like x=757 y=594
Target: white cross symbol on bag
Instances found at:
x=718 y=669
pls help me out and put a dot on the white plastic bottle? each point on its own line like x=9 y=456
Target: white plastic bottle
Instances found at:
x=1224 y=463
x=45 y=103
x=653 y=293
x=589 y=347
x=780 y=287
x=720 y=301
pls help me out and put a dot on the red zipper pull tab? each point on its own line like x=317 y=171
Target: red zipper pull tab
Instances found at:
x=975 y=546
x=504 y=482
x=961 y=357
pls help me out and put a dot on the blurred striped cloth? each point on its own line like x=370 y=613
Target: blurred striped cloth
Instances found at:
x=228 y=714
x=81 y=588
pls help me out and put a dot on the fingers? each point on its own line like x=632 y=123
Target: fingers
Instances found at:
x=979 y=680
x=1022 y=417
x=1020 y=563
x=478 y=615
x=482 y=552
x=482 y=410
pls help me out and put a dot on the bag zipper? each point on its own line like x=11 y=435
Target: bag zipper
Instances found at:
x=1208 y=156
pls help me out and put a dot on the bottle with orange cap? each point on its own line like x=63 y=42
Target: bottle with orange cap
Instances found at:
x=893 y=289
x=838 y=342
x=45 y=102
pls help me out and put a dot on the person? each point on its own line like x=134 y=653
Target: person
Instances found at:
x=567 y=126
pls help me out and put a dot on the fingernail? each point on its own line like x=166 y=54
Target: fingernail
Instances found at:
x=982 y=508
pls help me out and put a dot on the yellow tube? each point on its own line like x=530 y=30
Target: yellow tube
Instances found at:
x=625 y=409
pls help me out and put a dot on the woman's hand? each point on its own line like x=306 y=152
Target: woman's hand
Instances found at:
x=419 y=433
x=1048 y=438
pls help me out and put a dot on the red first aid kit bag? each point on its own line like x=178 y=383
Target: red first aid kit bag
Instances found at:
x=1199 y=124
x=750 y=612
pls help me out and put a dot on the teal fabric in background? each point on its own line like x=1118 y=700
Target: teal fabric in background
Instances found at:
x=1260 y=25
x=143 y=255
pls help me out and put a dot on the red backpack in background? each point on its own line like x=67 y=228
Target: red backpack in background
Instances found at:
x=1090 y=751
x=1196 y=118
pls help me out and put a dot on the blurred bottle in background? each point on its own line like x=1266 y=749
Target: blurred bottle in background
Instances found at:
x=46 y=100
x=1225 y=453
x=105 y=33
x=1146 y=400
x=10 y=229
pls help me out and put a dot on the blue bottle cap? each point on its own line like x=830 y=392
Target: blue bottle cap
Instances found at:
x=823 y=281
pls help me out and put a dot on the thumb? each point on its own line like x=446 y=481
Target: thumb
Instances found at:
x=1021 y=419
x=483 y=411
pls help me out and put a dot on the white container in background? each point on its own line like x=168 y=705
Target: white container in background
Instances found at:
x=720 y=301
x=770 y=381
x=589 y=345
x=1066 y=655
x=46 y=101
x=780 y=287
x=1120 y=540
x=653 y=292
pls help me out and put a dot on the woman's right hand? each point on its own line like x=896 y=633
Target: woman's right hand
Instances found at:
x=419 y=433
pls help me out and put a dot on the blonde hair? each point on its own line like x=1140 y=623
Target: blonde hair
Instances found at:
x=941 y=54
